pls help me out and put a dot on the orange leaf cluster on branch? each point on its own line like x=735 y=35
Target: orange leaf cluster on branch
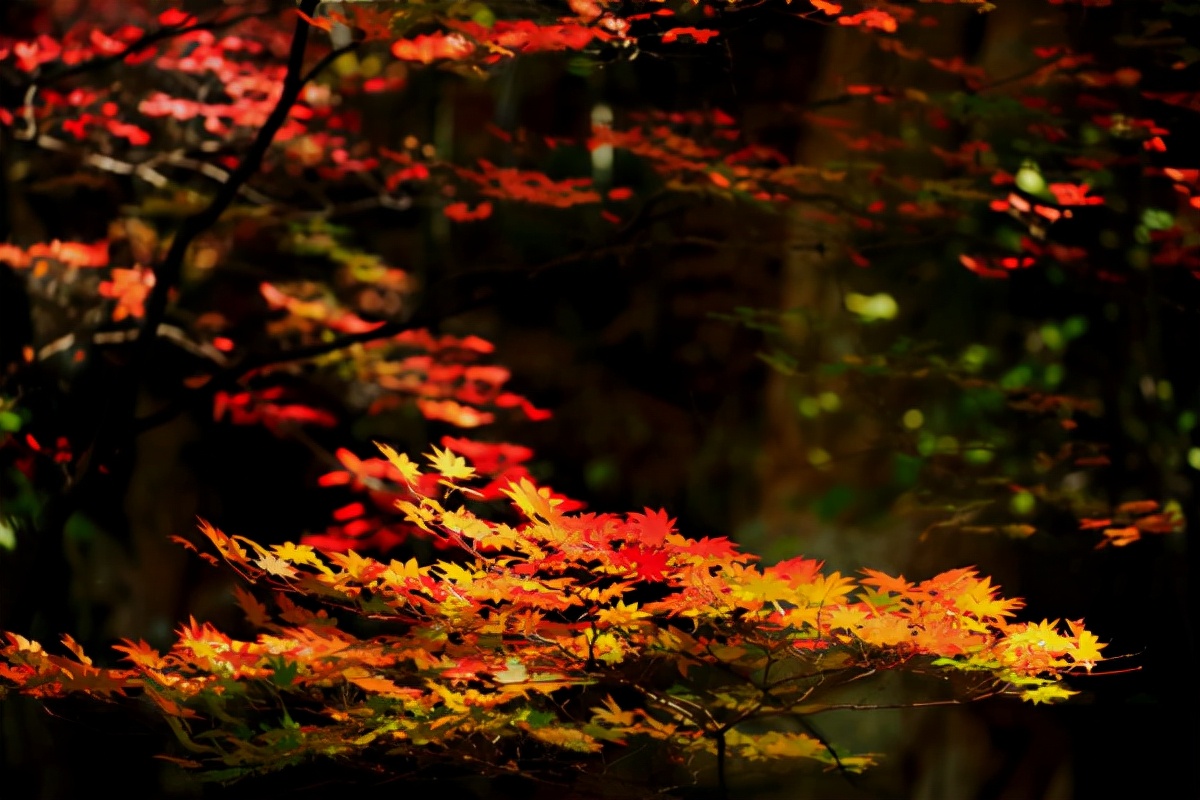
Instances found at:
x=534 y=627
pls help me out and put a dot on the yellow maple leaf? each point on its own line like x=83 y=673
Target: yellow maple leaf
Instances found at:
x=466 y=523
x=449 y=465
x=979 y=597
x=300 y=554
x=407 y=469
x=1087 y=647
x=620 y=614
x=140 y=653
x=847 y=618
x=754 y=586
x=360 y=568
x=456 y=574
x=1047 y=694
x=827 y=590
x=532 y=501
x=611 y=714
x=398 y=573
x=429 y=511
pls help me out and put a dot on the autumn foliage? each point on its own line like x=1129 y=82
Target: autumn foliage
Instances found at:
x=534 y=630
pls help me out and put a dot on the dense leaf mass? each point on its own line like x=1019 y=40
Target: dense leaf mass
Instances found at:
x=534 y=626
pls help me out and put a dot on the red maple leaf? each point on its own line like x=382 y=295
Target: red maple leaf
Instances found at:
x=651 y=528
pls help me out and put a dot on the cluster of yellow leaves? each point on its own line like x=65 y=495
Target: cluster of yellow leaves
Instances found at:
x=535 y=616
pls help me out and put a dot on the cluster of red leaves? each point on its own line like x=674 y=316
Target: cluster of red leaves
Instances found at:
x=1130 y=521
x=80 y=43
x=39 y=257
x=129 y=288
x=441 y=376
x=507 y=183
x=52 y=262
x=246 y=63
x=270 y=407
x=310 y=307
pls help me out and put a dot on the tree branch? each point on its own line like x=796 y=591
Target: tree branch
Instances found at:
x=167 y=274
x=117 y=420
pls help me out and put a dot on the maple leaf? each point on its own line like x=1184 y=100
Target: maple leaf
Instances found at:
x=980 y=598
x=534 y=502
x=651 y=527
x=76 y=649
x=407 y=469
x=361 y=569
x=179 y=540
x=1087 y=645
x=885 y=583
x=797 y=571
x=699 y=35
x=826 y=589
x=273 y=565
x=378 y=685
x=455 y=573
x=300 y=554
x=718 y=548
x=400 y=573
x=141 y=654
x=450 y=466
x=427 y=512
x=611 y=714
x=847 y=618
x=459 y=414
x=887 y=631
x=1047 y=693
x=169 y=707
x=465 y=523
x=651 y=565
x=130 y=288
x=256 y=612
x=763 y=587
x=229 y=549
x=620 y=614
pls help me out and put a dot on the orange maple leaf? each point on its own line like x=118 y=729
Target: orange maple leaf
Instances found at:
x=534 y=502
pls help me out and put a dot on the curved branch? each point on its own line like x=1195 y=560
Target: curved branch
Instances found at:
x=167 y=274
